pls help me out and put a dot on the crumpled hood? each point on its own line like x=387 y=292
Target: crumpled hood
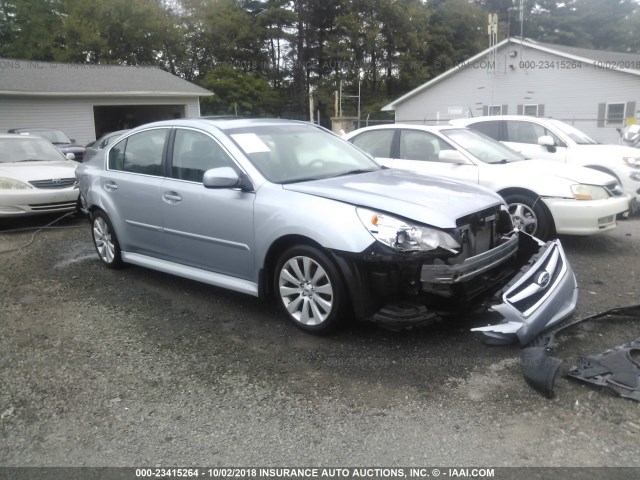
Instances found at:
x=31 y=171
x=569 y=172
x=426 y=199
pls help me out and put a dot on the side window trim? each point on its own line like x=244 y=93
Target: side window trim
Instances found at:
x=125 y=140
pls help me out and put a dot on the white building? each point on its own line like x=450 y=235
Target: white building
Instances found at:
x=86 y=100
x=597 y=91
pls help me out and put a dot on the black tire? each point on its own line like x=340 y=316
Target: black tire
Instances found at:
x=530 y=215
x=310 y=290
x=105 y=240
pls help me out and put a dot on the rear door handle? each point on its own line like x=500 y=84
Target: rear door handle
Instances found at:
x=110 y=186
x=171 y=197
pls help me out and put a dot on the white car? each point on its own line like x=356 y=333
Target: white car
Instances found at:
x=572 y=200
x=555 y=140
x=35 y=177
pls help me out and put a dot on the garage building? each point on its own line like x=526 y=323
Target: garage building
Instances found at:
x=596 y=91
x=87 y=100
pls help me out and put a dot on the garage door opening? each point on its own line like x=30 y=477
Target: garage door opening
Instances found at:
x=119 y=117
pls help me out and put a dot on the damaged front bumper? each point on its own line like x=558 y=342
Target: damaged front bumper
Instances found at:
x=541 y=294
x=522 y=286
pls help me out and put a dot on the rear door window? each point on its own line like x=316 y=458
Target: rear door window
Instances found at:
x=140 y=153
x=491 y=128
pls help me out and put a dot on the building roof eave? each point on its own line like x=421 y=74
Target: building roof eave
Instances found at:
x=392 y=106
x=518 y=41
x=103 y=94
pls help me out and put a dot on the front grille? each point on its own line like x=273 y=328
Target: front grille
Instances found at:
x=534 y=287
x=54 y=183
x=42 y=207
x=614 y=189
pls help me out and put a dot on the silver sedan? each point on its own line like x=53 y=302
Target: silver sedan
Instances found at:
x=285 y=209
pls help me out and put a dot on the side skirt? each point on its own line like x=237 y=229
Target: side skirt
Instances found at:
x=192 y=273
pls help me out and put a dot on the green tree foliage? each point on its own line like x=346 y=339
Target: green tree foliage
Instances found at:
x=128 y=32
x=30 y=29
x=237 y=93
x=268 y=56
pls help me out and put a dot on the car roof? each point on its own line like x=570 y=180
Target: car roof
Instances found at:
x=410 y=126
x=17 y=135
x=225 y=124
x=464 y=121
x=36 y=129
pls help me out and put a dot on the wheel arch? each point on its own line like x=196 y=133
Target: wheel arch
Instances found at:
x=532 y=195
x=356 y=287
x=277 y=248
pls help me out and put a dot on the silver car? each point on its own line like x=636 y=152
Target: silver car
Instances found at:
x=35 y=177
x=286 y=209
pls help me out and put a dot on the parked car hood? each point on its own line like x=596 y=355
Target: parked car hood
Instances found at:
x=569 y=172
x=614 y=152
x=426 y=199
x=30 y=171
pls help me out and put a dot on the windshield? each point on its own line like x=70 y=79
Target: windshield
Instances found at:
x=54 y=136
x=573 y=133
x=295 y=153
x=482 y=147
x=28 y=149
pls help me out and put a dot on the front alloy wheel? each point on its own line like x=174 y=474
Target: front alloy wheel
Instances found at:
x=309 y=288
x=530 y=215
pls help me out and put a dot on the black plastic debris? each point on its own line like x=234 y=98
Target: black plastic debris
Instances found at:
x=620 y=372
x=540 y=369
x=616 y=370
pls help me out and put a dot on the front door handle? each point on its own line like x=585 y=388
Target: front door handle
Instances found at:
x=110 y=186
x=171 y=197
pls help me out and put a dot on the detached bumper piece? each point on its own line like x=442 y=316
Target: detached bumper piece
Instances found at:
x=615 y=370
x=539 y=369
x=543 y=293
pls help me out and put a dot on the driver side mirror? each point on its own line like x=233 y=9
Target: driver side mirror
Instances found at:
x=451 y=156
x=70 y=156
x=547 y=141
x=226 y=177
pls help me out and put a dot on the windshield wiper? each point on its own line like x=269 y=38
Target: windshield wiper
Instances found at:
x=31 y=160
x=356 y=171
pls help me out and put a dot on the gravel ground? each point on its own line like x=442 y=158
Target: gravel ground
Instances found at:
x=134 y=367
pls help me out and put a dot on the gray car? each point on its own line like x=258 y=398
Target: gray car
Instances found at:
x=285 y=209
x=101 y=143
x=57 y=138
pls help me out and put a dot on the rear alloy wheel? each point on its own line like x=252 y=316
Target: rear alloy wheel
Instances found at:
x=310 y=289
x=105 y=240
x=530 y=216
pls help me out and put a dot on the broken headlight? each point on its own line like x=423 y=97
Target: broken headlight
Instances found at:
x=405 y=236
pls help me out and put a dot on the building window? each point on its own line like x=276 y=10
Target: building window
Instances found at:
x=495 y=109
x=531 y=110
x=615 y=113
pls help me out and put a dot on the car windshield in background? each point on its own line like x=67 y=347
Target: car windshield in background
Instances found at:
x=482 y=147
x=296 y=153
x=27 y=150
x=576 y=135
